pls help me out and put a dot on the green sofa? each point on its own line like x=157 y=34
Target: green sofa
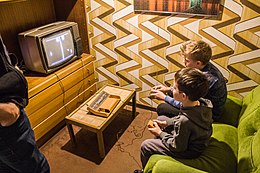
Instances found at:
x=234 y=146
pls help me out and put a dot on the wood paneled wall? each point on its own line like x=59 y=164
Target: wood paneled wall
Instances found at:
x=19 y=16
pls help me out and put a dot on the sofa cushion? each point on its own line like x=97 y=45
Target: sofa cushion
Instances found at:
x=173 y=167
x=249 y=142
x=219 y=156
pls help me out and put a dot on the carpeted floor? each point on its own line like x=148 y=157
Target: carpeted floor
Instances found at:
x=122 y=139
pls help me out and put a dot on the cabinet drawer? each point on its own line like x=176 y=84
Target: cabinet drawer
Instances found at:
x=44 y=112
x=89 y=91
x=49 y=123
x=87 y=58
x=88 y=69
x=74 y=92
x=43 y=98
x=73 y=104
x=72 y=79
x=36 y=84
x=89 y=81
x=74 y=98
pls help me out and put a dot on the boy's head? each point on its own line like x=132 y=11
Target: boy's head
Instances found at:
x=196 y=54
x=190 y=82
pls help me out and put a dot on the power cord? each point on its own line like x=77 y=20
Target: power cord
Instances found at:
x=138 y=132
x=63 y=93
x=78 y=92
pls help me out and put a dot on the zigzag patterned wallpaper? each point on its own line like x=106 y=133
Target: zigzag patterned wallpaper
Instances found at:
x=142 y=50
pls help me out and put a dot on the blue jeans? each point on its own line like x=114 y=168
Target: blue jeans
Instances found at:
x=18 y=150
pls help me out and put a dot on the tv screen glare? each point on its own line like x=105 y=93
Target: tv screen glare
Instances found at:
x=47 y=48
x=58 y=48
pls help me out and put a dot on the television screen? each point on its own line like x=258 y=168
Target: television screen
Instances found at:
x=58 y=47
x=50 y=47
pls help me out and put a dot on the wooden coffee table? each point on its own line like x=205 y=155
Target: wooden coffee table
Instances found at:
x=97 y=124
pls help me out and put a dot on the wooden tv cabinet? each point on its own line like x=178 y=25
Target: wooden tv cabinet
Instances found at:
x=52 y=97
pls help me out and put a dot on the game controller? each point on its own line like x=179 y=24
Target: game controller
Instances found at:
x=150 y=124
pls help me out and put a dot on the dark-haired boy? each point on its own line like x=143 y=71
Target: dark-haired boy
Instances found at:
x=187 y=134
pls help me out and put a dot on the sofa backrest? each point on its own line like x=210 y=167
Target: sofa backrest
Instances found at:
x=249 y=134
x=231 y=111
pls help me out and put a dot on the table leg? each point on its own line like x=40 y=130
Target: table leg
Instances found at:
x=101 y=146
x=134 y=106
x=71 y=133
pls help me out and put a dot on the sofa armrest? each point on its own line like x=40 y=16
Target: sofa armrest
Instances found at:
x=231 y=112
x=168 y=166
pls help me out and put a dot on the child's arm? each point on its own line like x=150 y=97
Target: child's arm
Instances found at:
x=161 y=96
x=172 y=101
x=178 y=139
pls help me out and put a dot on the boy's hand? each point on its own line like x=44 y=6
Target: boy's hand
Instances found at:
x=162 y=124
x=161 y=88
x=156 y=94
x=156 y=130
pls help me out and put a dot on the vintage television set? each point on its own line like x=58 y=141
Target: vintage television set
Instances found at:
x=50 y=47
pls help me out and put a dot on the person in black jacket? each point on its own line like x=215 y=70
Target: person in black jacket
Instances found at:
x=187 y=134
x=18 y=150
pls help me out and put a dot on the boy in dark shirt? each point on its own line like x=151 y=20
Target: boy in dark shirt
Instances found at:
x=196 y=54
x=187 y=134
